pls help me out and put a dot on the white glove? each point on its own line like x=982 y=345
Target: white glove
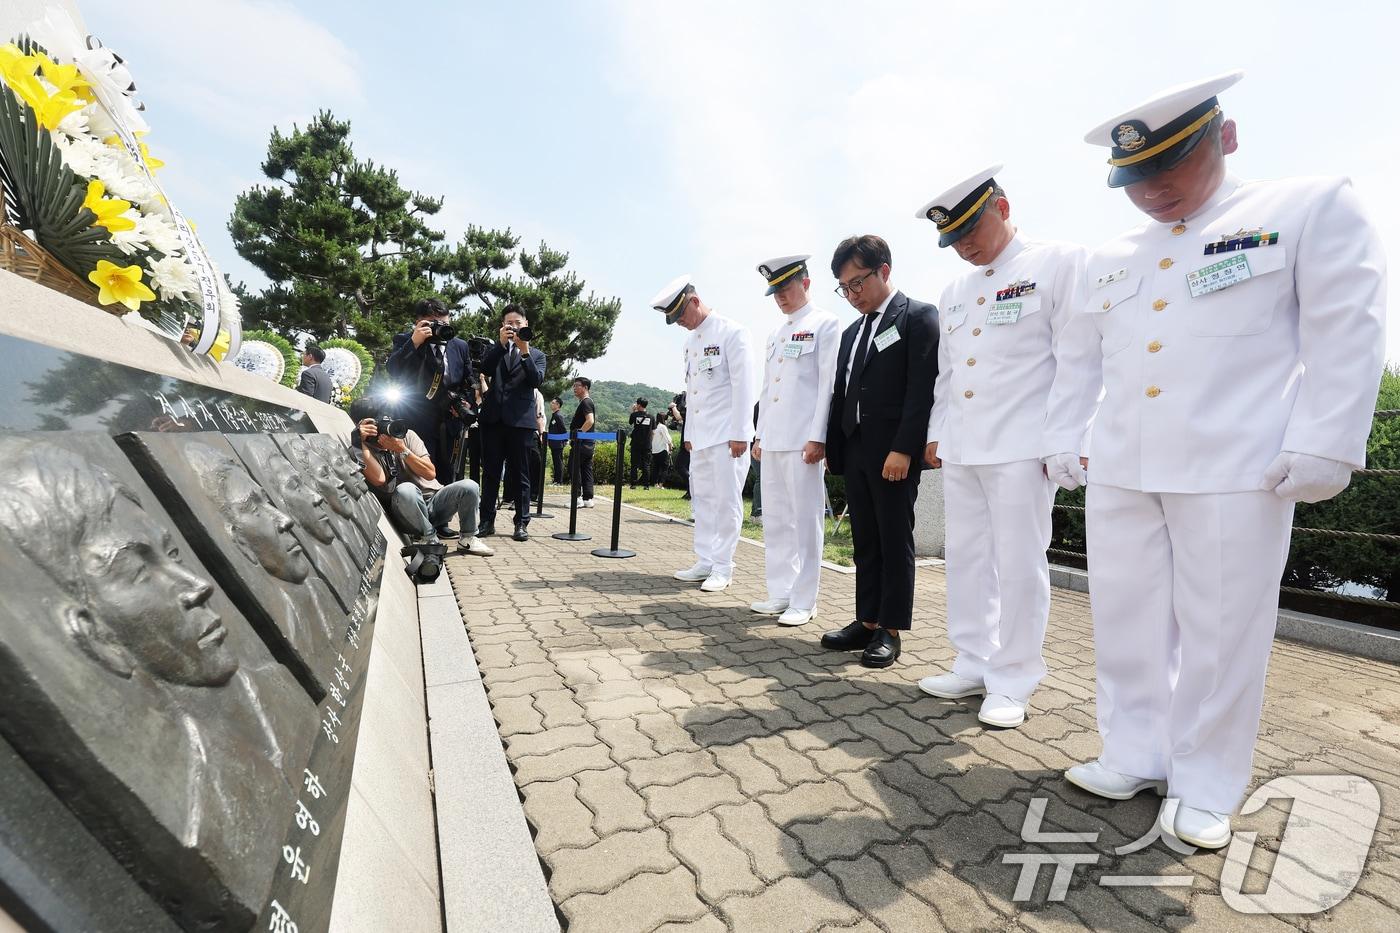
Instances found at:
x=1305 y=478
x=1065 y=470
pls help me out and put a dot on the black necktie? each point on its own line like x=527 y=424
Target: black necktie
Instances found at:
x=852 y=406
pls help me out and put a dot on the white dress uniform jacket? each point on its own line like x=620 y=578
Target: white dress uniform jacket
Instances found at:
x=995 y=356
x=1201 y=393
x=719 y=384
x=799 y=375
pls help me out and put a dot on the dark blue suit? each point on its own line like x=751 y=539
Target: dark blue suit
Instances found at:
x=508 y=428
x=415 y=370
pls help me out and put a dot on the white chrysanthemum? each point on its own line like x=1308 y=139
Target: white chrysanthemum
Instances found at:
x=75 y=124
x=160 y=234
x=174 y=278
x=100 y=126
x=86 y=157
x=130 y=242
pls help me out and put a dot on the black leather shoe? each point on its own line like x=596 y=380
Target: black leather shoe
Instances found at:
x=882 y=651
x=520 y=534
x=486 y=530
x=446 y=531
x=850 y=638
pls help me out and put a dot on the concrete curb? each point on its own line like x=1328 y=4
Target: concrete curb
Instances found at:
x=491 y=874
x=1364 y=641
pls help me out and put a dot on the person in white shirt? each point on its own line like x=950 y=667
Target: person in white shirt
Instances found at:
x=799 y=373
x=719 y=423
x=660 y=452
x=995 y=367
x=1237 y=339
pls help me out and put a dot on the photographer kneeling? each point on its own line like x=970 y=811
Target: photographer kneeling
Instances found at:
x=401 y=474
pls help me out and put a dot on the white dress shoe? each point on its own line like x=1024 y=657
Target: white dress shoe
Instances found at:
x=952 y=686
x=1204 y=829
x=474 y=545
x=585 y=503
x=769 y=607
x=1097 y=779
x=1000 y=710
x=697 y=573
x=796 y=616
x=715 y=582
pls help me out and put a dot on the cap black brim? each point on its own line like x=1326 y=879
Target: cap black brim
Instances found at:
x=964 y=228
x=1120 y=176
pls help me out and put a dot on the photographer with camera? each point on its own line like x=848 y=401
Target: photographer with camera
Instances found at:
x=432 y=367
x=402 y=476
x=508 y=418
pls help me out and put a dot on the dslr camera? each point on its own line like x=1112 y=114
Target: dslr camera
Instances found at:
x=477 y=348
x=441 y=331
x=524 y=333
x=391 y=427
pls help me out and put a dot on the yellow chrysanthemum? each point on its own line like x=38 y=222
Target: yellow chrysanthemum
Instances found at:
x=110 y=211
x=119 y=284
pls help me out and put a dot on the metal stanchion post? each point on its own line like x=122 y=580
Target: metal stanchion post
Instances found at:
x=544 y=466
x=573 y=534
x=615 y=551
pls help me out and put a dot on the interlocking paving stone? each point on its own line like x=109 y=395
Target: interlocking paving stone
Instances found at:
x=687 y=765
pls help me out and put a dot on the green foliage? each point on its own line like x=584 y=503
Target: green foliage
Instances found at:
x=366 y=365
x=289 y=353
x=613 y=401
x=348 y=250
x=1370 y=504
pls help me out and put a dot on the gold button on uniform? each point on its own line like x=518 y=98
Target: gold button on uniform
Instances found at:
x=775 y=398
x=991 y=272
x=1164 y=264
x=1154 y=346
x=967 y=394
x=1178 y=230
x=1153 y=391
x=976 y=331
x=1158 y=305
x=982 y=300
x=1107 y=304
x=971 y=361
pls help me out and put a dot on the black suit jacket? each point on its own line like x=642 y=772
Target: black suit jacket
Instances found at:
x=413 y=369
x=896 y=385
x=510 y=398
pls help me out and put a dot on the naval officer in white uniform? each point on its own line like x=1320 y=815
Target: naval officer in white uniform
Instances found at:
x=799 y=374
x=995 y=367
x=1237 y=336
x=719 y=385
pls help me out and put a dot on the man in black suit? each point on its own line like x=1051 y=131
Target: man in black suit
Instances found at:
x=314 y=381
x=885 y=372
x=508 y=422
x=556 y=448
x=431 y=366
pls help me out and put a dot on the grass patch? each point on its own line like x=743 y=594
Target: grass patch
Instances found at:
x=837 y=549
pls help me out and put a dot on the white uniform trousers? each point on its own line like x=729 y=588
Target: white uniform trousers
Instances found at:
x=794 y=503
x=998 y=527
x=716 y=498
x=1184 y=589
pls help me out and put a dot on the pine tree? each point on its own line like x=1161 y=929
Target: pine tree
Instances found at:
x=348 y=250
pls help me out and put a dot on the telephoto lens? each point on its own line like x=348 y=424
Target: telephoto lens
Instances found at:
x=525 y=334
x=442 y=332
x=392 y=427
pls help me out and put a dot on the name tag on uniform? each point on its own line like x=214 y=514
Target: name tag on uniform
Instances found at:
x=1218 y=275
x=1109 y=278
x=1004 y=312
x=707 y=363
x=792 y=349
x=883 y=341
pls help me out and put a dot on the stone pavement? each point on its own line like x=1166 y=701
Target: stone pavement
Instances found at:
x=688 y=765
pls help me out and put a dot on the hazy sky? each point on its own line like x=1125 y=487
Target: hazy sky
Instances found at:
x=649 y=139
